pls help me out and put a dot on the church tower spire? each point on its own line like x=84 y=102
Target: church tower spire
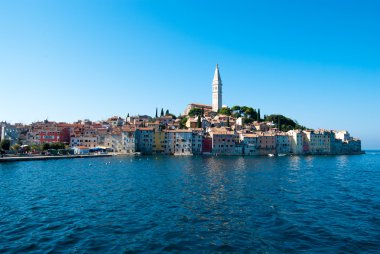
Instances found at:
x=216 y=91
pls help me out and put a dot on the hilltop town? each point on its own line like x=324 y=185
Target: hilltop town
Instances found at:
x=201 y=129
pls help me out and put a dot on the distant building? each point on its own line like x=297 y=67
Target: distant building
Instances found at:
x=206 y=108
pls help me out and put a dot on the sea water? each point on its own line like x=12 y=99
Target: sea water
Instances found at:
x=311 y=204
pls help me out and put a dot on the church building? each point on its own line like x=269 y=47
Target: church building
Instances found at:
x=216 y=96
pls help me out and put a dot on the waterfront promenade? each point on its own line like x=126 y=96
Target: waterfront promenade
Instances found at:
x=49 y=157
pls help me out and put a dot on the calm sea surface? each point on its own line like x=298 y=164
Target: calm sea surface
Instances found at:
x=325 y=204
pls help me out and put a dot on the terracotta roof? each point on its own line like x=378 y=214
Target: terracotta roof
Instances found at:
x=145 y=128
x=179 y=130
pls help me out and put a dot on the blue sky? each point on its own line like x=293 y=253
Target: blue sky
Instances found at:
x=315 y=61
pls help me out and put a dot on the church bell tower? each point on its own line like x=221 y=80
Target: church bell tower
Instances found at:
x=216 y=91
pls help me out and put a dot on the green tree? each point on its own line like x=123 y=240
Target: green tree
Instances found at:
x=182 y=123
x=284 y=123
x=35 y=147
x=195 y=112
x=45 y=146
x=15 y=147
x=167 y=112
x=235 y=108
x=249 y=112
x=5 y=144
x=57 y=146
x=258 y=115
x=156 y=112
x=199 y=122
x=247 y=120
x=203 y=112
x=236 y=111
x=128 y=115
x=172 y=115
x=225 y=111
x=228 y=121
x=243 y=109
x=162 y=112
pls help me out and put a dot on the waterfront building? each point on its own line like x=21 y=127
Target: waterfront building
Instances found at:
x=144 y=140
x=206 y=145
x=343 y=143
x=318 y=142
x=296 y=141
x=249 y=142
x=89 y=141
x=197 y=140
x=216 y=91
x=223 y=141
x=178 y=142
x=114 y=141
x=159 y=141
x=129 y=139
x=169 y=141
x=266 y=143
x=352 y=146
x=283 y=143
x=183 y=142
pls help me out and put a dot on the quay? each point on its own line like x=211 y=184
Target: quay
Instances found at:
x=49 y=157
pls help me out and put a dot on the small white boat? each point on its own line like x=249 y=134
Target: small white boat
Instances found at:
x=281 y=154
x=271 y=155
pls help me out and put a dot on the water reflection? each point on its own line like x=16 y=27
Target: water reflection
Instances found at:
x=295 y=163
x=342 y=161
